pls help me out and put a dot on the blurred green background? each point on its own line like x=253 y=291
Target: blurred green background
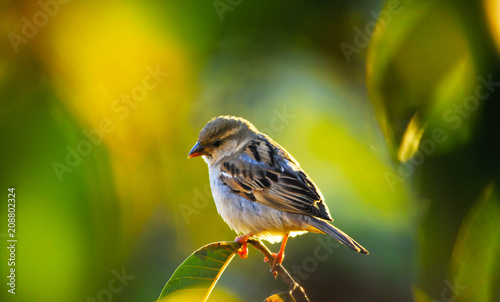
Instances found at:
x=392 y=109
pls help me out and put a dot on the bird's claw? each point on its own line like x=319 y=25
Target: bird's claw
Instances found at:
x=278 y=259
x=275 y=274
x=267 y=260
x=243 y=250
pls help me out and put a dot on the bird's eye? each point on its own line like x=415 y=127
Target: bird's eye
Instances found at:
x=217 y=143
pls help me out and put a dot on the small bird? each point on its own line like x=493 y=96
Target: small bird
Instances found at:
x=259 y=188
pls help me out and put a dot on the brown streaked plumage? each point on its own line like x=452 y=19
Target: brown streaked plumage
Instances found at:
x=259 y=188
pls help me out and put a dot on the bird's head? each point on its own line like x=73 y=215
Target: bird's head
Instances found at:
x=222 y=136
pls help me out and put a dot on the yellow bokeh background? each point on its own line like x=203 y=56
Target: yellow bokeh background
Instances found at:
x=102 y=101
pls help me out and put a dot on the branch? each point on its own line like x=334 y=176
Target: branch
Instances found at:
x=296 y=290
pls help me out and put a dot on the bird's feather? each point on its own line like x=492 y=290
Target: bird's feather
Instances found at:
x=338 y=234
x=264 y=172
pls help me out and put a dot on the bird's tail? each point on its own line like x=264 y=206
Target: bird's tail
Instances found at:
x=342 y=237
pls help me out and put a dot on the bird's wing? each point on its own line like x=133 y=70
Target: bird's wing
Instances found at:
x=264 y=172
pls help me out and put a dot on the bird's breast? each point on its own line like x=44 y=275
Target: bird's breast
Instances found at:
x=246 y=216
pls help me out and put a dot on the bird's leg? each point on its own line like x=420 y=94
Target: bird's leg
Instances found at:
x=278 y=258
x=243 y=250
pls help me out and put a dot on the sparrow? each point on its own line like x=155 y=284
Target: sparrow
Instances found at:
x=259 y=189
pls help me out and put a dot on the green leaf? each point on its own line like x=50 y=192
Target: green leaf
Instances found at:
x=195 y=278
x=475 y=263
x=420 y=61
x=419 y=295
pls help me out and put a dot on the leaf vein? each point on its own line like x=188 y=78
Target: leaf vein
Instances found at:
x=199 y=266
x=225 y=255
x=206 y=257
x=191 y=277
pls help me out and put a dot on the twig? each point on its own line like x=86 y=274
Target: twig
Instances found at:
x=297 y=291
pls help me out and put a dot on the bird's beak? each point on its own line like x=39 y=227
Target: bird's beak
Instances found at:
x=197 y=150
